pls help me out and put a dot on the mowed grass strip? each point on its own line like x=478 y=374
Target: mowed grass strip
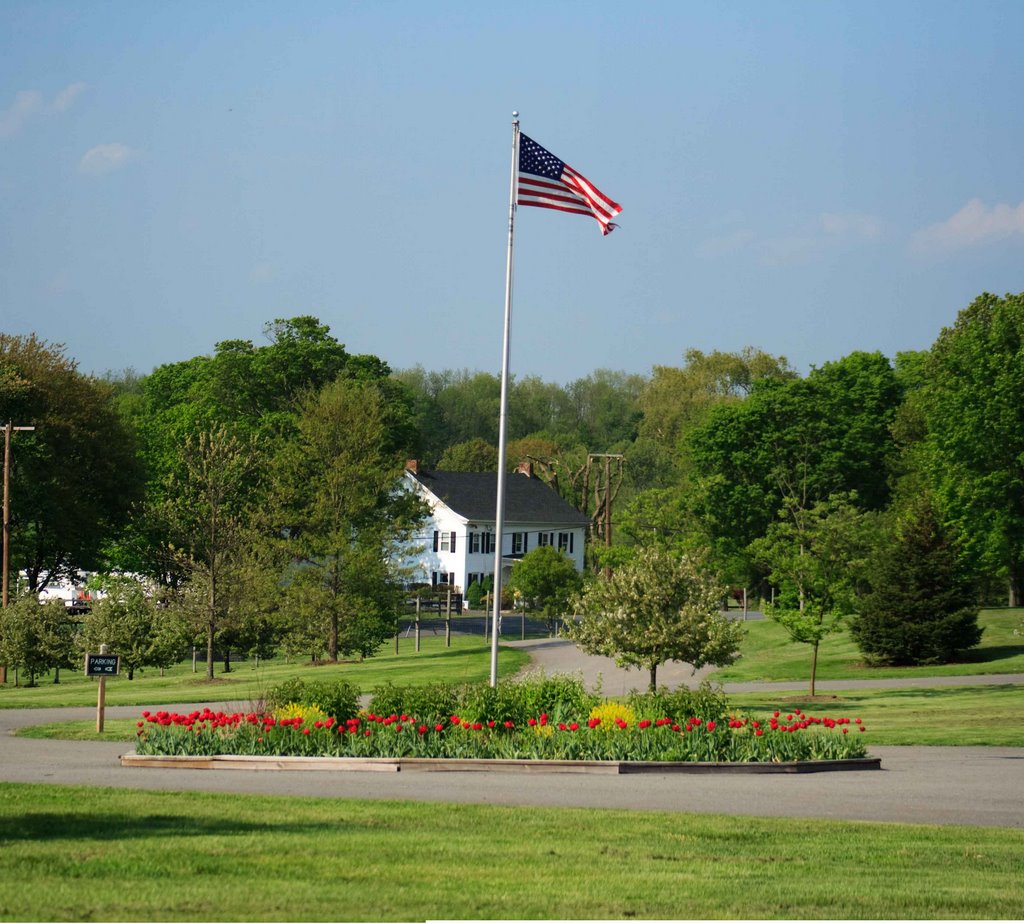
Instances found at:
x=82 y=854
x=768 y=654
x=466 y=661
x=977 y=715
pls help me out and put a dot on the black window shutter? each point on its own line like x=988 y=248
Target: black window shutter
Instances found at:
x=453 y=541
x=570 y=543
x=436 y=539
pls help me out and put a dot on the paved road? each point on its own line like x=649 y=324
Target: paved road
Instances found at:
x=560 y=656
x=928 y=785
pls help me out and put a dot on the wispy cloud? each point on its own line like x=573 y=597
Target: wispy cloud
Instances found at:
x=106 y=158
x=851 y=224
x=63 y=100
x=29 y=103
x=725 y=244
x=976 y=223
x=811 y=238
x=26 y=104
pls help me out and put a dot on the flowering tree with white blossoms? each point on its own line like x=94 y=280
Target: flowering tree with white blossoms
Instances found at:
x=661 y=606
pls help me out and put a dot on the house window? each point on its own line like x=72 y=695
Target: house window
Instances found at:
x=565 y=542
x=444 y=542
x=474 y=543
x=487 y=543
x=440 y=578
x=545 y=538
x=518 y=543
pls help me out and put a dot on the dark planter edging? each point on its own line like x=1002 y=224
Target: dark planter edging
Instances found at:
x=436 y=765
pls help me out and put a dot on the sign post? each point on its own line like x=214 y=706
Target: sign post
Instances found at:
x=102 y=665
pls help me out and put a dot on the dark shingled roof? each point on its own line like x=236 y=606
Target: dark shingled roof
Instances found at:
x=474 y=495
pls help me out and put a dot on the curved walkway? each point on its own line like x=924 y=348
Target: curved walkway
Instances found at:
x=561 y=656
x=926 y=785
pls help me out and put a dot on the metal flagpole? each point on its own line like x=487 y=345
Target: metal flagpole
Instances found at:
x=499 y=516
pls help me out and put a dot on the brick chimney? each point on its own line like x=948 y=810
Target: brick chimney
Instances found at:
x=413 y=466
x=525 y=468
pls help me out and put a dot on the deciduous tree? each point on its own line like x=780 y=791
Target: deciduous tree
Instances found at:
x=342 y=514
x=814 y=553
x=659 y=607
x=75 y=477
x=35 y=636
x=545 y=579
x=211 y=514
x=974 y=447
x=124 y=617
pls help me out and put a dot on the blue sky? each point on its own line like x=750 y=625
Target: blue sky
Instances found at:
x=810 y=178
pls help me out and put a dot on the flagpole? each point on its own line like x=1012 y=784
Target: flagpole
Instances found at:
x=499 y=516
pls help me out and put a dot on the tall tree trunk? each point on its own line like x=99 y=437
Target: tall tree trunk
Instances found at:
x=1016 y=581
x=211 y=624
x=653 y=685
x=814 y=664
x=332 y=642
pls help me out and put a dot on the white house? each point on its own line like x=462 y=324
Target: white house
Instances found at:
x=457 y=539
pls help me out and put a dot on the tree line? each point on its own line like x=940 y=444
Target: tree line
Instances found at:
x=254 y=485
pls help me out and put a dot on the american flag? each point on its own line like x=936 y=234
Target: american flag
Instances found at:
x=549 y=183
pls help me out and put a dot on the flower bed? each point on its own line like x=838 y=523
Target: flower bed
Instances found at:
x=607 y=734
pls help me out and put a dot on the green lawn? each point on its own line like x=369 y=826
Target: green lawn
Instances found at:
x=83 y=854
x=468 y=660
x=769 y=655
x=979 y=715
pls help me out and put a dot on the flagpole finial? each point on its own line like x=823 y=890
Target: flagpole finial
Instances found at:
x=515 y=115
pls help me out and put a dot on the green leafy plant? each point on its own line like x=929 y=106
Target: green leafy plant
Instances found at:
x=337 y=698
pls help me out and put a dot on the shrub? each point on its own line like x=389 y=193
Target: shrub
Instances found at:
x=706 y=702
x=474 y=595
x=430 y=702
x=560 y=696
x=337 y=698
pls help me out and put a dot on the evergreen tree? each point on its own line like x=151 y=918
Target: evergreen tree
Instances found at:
x=921 y=607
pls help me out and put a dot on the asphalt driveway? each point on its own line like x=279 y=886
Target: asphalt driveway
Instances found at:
x=925 y=785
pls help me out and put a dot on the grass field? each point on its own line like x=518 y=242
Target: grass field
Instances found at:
x=101 y=854
x=769 y=655
x=468 y=660
x=980 y=715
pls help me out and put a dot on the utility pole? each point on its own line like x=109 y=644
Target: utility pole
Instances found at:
x=603 y=499
x=8 y=429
